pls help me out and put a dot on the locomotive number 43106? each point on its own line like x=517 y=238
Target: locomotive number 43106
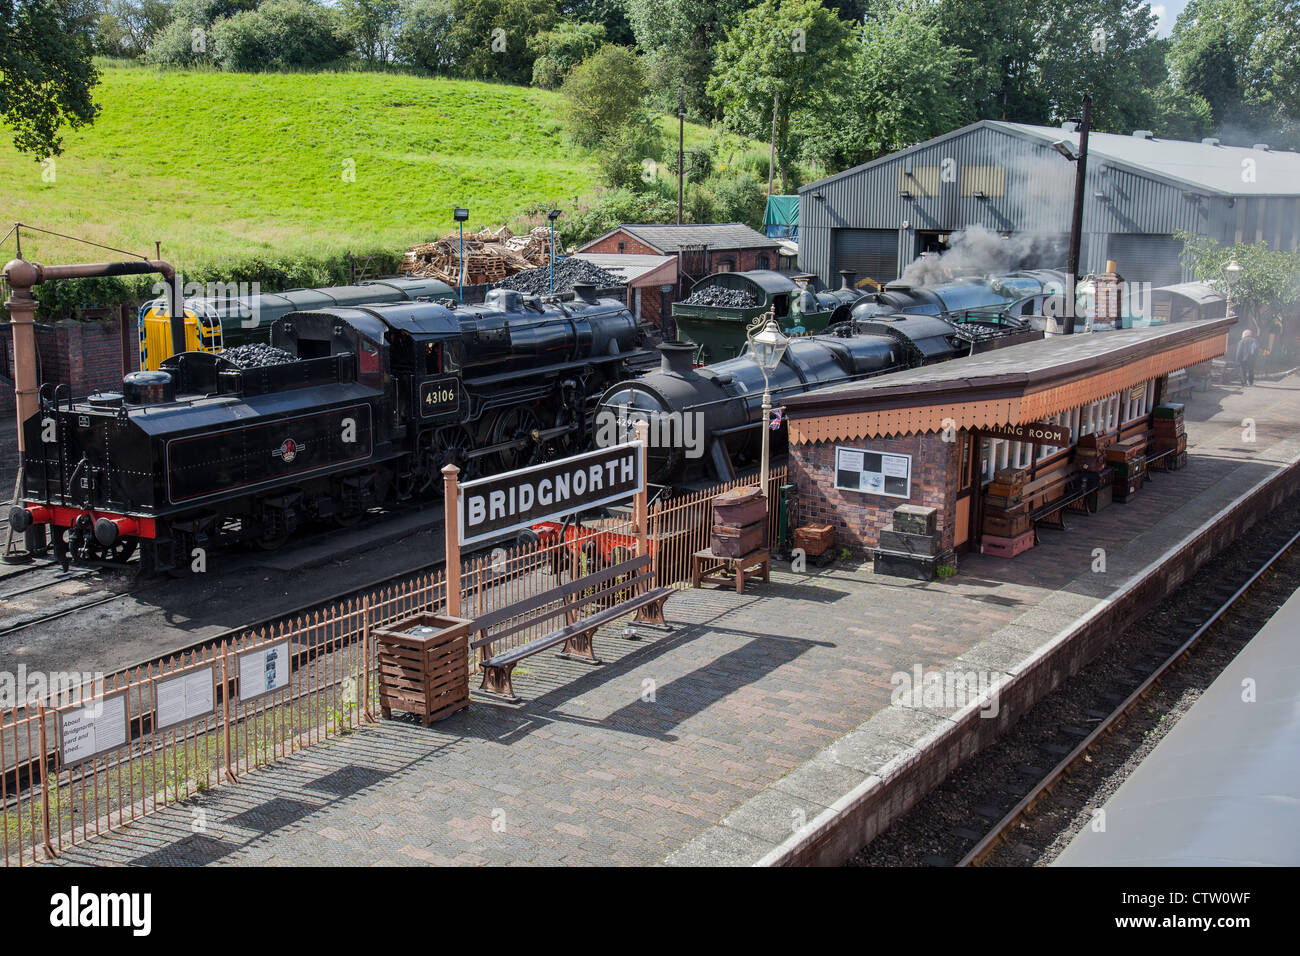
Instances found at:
x=439 y=396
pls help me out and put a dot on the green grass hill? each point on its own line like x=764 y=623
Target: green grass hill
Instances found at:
x=221 y=166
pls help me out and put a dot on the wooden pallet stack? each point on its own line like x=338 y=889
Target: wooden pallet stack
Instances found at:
x=1005 y=527
x=490 y=256
x=910 y=547
x=1128 y=459
x=1171 y=434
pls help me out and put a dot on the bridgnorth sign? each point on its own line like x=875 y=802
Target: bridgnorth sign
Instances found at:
x=490 y=507
x=1039 y=433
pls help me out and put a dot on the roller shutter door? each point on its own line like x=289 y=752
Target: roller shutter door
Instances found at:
x=1153 y=259
x=871 y=253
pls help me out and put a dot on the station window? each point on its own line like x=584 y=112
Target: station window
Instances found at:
x=761 y=261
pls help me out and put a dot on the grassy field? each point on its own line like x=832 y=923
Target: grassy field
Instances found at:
x=219 y=166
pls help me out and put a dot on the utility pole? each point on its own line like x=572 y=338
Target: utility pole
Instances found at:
x=681 y=143
x=1076 y=222
x=771 y=156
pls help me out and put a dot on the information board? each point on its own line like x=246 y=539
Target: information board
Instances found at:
x=97 y=728
x=263 y=670
x=873 y=472
x=184 y=697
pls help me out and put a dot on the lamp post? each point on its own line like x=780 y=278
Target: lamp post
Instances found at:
x=553 y=215
x=766 y=347
x=1233 y=272
x=461 y=215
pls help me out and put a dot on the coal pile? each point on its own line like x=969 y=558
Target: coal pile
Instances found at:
x=257 y=355
x=568 y=273
x=718 y=297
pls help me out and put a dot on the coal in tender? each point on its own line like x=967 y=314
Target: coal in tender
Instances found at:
x=718 y=297
x=257 y=355
x=568 y=273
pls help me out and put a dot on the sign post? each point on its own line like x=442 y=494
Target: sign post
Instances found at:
x=451 y=537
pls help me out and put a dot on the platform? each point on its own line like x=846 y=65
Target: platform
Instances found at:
x=761 y=730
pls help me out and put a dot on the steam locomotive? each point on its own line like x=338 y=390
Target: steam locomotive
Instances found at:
x=370 y=402
x=1016 y=293
x=705 y=423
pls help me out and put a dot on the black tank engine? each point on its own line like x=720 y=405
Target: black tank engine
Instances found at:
x=369 y=405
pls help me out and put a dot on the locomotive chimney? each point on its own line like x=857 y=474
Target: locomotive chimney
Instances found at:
x=846 y=280
x=584 y=291
x=676 y=358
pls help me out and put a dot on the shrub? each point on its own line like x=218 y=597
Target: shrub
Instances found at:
x=280 y=35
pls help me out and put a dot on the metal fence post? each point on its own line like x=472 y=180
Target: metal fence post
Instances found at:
x=365 y=651
x=226 y=695
x=45 y=786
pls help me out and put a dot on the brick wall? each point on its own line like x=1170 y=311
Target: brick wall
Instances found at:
x=631 y=246
x=86 y=356
x=858 y=518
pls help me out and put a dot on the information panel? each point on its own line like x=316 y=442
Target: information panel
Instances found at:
x=184 y=697
x=97 y=728
x=873 y=472
x=263 y=670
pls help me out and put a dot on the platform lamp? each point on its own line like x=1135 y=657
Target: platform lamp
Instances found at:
x=461 y=216
x=553 y=215
x=1233 y=272
x=766 y=347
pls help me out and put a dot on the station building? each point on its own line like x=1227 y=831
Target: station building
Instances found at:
x=1014 y=179
x=935 y=436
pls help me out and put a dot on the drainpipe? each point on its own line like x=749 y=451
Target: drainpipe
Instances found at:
x=23 y=275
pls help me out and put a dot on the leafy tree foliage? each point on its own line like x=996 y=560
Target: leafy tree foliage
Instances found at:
x=126 y=27
x=680 y=39
x=1267 y=287
x=425 y=38
x=279 y=35
x=560 y=49
x=46 y=73
x=604 y=109
x=781 y=59
x=371 y=24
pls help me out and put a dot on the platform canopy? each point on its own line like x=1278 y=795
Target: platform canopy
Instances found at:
x=1016 y=385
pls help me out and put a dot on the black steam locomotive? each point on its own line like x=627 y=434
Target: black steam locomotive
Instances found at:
x=705 y=424
x=1014 y=293
x=367 y=405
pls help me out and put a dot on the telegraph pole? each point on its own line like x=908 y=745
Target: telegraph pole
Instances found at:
x=681 y=143
x=1076 y=222
x=771 y=156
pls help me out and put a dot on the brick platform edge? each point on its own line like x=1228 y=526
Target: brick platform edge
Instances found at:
x=905 y=752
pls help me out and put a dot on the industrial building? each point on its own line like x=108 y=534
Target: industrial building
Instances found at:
x=1018 y=180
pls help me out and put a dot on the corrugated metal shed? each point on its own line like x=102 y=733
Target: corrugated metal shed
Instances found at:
x=1009 y=178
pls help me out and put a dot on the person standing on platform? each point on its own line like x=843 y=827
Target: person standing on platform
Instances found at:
x=1247 y=355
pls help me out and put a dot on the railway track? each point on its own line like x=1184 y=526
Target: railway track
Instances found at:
x=1026 y=795
x=982 y=851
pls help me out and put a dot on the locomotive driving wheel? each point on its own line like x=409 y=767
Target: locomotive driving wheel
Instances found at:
x=519 y=423
x=568 y=415
x=451 y=446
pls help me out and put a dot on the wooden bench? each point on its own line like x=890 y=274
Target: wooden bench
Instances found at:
x=629 y=584
x=706 y=566
x=1056 y=492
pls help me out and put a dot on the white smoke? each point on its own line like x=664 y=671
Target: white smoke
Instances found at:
x=976 y=250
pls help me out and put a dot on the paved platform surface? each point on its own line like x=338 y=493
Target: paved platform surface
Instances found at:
x=715 y=743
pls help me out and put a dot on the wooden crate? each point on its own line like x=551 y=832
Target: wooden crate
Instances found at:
x=1001 y=547
x=1005 y=527
x=814 y=539
x=424 y=666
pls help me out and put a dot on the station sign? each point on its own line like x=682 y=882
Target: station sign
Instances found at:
x=1037 y=433
x=86 y=732
x=873 y=472
x=493 y=506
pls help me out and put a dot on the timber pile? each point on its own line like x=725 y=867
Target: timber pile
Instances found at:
x=490 y=256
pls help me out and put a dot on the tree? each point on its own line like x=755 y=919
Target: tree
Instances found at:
x=610 y=14
x=424 y=38
x=371 y=25
x=905 y=85
x=279 y=35
x=489 y=38
x=46 y=73
x=186 y=40
x=126 y=27
x=680 y=39
x=1239 y=56
x=781 y=59
x=604 y=110
x=1268 y=284
x=560 y=49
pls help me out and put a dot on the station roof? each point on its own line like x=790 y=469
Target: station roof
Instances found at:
x=1015 y=385
x=1202 y=293
x=717 y=236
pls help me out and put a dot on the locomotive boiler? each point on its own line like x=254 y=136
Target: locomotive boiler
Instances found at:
x=360 y=405
x=704 y=423
x=1017 y=293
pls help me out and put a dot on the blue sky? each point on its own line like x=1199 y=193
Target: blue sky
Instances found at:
x=1167 y=11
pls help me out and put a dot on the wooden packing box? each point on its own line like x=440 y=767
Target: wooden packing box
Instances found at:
x=1169 y=426
x=1177 y=461
x=1100 y=496
x=903 y=543
x=999 y=502
x=1006 y=547
x=913 y=566
x=1011 y=476
x=1168 y=410
x=1093 y=465
x=1125 y=488
x=1176 y=445
x=423 y=664
x=1127 y=450
x=1021 y=508
x=814 y=539
x=1003 y=490
x=994 y=524
x=915 y=519
x=739 y=507
x=728 y=542
x=1101 y=442
x=1127 y=469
